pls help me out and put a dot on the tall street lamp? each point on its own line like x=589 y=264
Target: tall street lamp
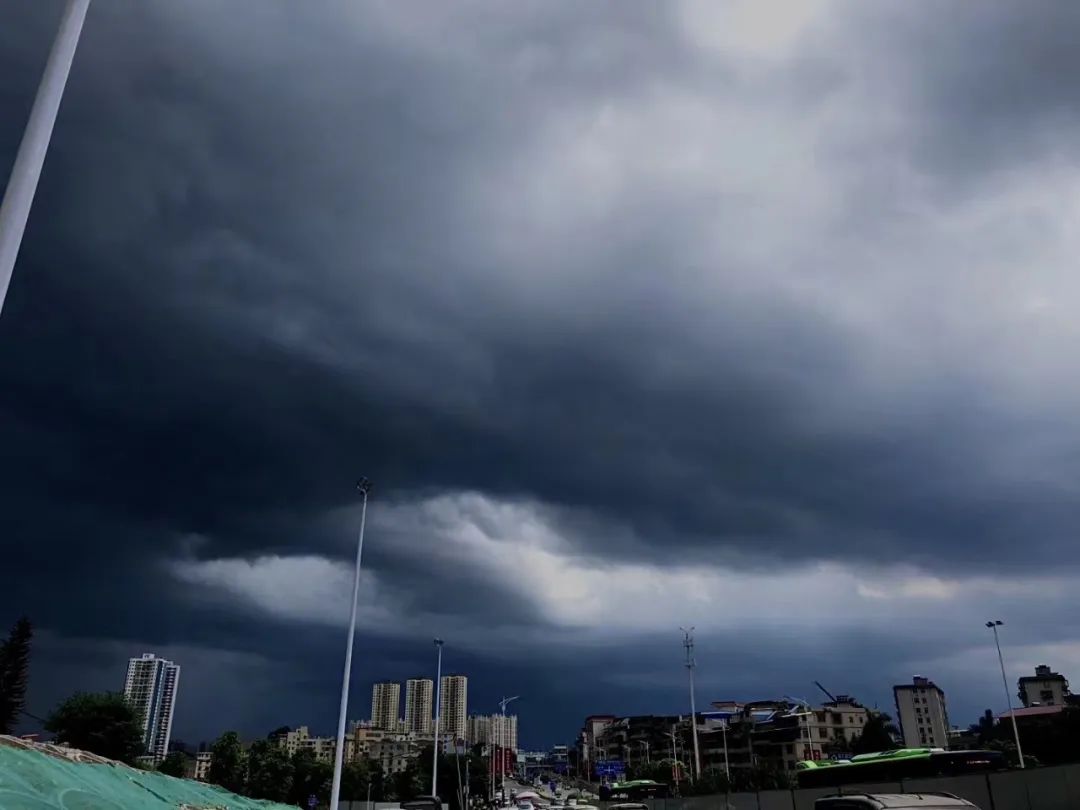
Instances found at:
x=438 y=709
x=504 y=736
x=25 y=173
x=994 y=625
x=363 y=486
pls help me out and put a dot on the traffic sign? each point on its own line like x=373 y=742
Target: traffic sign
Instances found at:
x=610 y=767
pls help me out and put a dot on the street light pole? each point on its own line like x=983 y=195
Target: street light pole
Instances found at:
x=364 y=487
x=674 y=758
x=688 y=643
x=438 y=709
x=727 y=770
x=808 y=713
x=994 y=625
x=645 y=743
x=26 y=171
x=503 y=733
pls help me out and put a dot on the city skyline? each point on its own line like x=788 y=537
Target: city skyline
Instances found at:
x=638 y=316
x=1044 y=686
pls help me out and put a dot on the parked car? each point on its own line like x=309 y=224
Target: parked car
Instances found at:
x=893 y=801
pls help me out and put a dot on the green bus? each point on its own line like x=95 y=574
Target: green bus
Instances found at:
x=892 y=766
x=634 y=790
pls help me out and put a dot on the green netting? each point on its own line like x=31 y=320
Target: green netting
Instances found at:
x=32 y=779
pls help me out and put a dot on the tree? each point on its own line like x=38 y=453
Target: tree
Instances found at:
x=357 y=776
x=877 y=735
x=174 y=764
x=227 y=768
x=269 y=772
x=310 y=778
x=14 y=664
x=101 y=723
x=408 y=783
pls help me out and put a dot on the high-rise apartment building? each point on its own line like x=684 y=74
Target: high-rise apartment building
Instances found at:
x=479 y=729
x=504 y=731
x=150 y=688
x=454 y=709
x=385 y=700
x=920 y=708
x=418 y=703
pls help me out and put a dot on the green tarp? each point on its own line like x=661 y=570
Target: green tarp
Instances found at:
x=33 y=779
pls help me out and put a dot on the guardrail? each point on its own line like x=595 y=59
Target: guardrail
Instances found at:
x=1050 y=788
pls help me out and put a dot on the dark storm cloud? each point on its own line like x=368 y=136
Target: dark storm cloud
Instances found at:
x=987 y=92
x=264 y=258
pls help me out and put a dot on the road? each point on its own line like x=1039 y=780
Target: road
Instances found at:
x=513 y=786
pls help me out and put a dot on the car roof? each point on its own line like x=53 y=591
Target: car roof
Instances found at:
x=926 y=801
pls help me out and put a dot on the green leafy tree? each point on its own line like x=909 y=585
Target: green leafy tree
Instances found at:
x=310 y=778
x=877 y=735
x=174 y=764
x=14 y=666
x=101 y=723
x=269 y=772
x=357 y=776
x=409 y=783
x=478 y=773
x=228 y=766
x=447 y=789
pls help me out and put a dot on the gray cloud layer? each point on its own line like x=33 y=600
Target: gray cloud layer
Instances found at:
x=707 y=287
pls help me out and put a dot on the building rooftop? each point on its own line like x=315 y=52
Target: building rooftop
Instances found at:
x=1031 y=711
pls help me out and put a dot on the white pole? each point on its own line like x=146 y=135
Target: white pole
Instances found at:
x=688 y=642
x=1008 y=695
x=727 y=770
x=339 y=750
x=25 y=173
x=674 y=758
x=438 y=707
x=504 y=735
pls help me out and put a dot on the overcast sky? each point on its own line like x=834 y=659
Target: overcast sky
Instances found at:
x=758 y=317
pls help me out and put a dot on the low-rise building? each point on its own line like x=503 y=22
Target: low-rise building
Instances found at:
x=594 y=724
x=1044 y=688
x=203 y=760
x=394 y=753
x=300 y=739
x=359 y=741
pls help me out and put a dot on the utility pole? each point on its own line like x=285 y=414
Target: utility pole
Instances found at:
x=438 y=709
x=688 y=643
x=29 y=160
